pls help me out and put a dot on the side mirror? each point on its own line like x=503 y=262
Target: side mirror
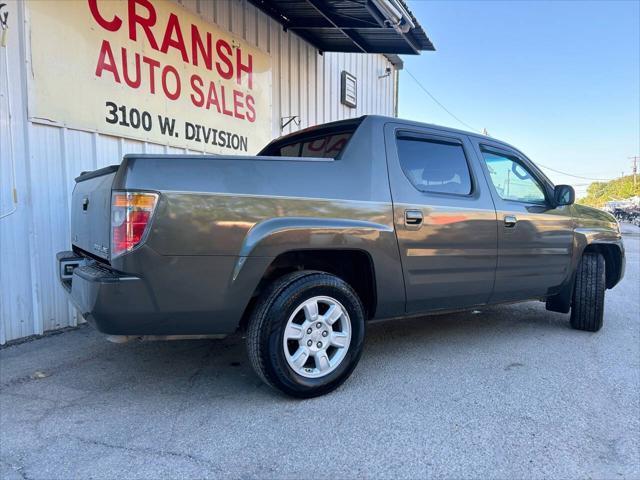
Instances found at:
x=564 y=195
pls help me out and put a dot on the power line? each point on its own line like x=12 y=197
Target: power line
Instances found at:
x=478 y=131
x=440 y=104
x=574 y=176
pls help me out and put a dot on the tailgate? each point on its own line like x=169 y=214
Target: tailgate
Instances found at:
x=91 y=211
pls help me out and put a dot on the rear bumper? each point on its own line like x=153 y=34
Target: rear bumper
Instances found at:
x=116 y=303
x=177 y=295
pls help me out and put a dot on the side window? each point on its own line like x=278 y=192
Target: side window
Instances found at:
x=511 y=179
x=434 y=166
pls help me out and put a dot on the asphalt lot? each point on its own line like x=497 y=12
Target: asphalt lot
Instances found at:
x=506 y=392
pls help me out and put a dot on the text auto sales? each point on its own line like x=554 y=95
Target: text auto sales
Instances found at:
x=215 y=55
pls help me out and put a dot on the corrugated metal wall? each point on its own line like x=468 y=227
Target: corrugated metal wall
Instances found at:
x=46 y=158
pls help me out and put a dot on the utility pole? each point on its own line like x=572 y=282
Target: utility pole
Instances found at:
x=634 y=168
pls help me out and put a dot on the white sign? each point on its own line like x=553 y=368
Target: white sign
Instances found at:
x=150 y=70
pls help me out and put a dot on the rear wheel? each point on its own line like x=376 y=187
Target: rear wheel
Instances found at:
x=587 y=308
x=306 y=333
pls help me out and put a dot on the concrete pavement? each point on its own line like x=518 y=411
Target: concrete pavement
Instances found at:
x=504 y=392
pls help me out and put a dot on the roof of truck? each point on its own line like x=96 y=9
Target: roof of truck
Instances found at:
x=356 y=121
x=424 y=124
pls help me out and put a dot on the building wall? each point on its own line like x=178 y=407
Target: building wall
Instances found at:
x=47 y=158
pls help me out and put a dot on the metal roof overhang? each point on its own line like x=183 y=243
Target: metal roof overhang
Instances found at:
x=362 y=26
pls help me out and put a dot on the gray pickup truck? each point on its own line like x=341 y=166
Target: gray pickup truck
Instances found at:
x=326 y=229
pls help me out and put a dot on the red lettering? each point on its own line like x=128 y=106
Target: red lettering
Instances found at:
x=171 y=95
x=196 y=86
x=145 y=22
x=110 y=66
x=212 y=98
x=225 y=58
x=314 y=147
x=224 y=102
x=173 y=26
x=125 y=69
x=338 y=146
x=153 y=64
x=111 y=25
x=237 y=104
x=251 y=111
x=240 y=67
x=198 y=46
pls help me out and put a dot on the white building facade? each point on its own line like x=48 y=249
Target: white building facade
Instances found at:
x=50 y=131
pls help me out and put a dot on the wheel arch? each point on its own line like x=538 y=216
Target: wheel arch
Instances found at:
x=613 y=259
x=278 y=245
x=354 y=266
x=613 y=253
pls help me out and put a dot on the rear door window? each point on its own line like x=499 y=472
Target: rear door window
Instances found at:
x=431 y=165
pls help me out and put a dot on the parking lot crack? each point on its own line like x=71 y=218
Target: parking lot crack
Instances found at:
x=146 y=451
x=19 y=469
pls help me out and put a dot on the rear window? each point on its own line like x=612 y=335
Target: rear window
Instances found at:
x=329 y=145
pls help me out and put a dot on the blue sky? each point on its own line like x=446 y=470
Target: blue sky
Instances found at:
x=559 y=80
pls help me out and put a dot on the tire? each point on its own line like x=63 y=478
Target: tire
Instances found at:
x=285 y=306
x=587 y=309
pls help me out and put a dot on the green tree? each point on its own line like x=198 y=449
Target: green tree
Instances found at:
x=599 y=193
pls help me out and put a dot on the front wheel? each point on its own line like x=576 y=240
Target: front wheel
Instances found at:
x=587 y=308
x=306 y=333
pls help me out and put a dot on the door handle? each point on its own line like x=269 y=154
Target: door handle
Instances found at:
x=412 y=217
x=510 y=221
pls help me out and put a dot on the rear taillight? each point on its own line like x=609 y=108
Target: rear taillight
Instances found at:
x=130 y=215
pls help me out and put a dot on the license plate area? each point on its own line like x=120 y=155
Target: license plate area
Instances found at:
x=67 y=264
x=67 y=267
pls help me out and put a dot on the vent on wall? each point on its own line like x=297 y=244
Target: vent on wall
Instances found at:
x=348 y=90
